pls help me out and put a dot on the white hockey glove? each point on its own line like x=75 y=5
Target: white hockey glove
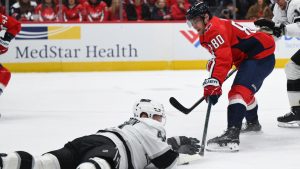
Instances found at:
x=184 y=145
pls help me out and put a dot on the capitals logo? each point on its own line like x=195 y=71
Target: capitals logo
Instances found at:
x=49 y=32
x=191 y=36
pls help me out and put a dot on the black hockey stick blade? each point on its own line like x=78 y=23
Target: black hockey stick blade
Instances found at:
x=175 y=103
x=181 y=108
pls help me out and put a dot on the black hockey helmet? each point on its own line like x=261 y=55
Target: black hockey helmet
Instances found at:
x=198 y=9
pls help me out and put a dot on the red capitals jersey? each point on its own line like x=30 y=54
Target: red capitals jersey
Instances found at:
x=73 y=14
x=46 y=13
x=97 y=12
x=10 y=24
x=231 y=43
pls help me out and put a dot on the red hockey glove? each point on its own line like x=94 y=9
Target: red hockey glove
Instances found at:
x=3 y=46
x=212 y=90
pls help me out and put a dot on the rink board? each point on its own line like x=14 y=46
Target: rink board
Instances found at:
x=115 y=47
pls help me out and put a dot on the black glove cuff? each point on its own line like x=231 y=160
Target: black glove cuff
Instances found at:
x=8 y=37
x=264 y=23
x=173 y=143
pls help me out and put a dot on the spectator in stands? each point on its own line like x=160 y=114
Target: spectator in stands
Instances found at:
x=172 y=2
x=133 y=9
x=228 y=10
x=47 y=11
x=147 y=8
x=226 y=14
x=97 y=11
x=160 y=11
x=243 y=6
x=108 y=2
x=11 y=2
x=114 y=11
x=179 y=9
x=24 y=10
x=151 y=4
x=259 y=10
x=210 y=2
x=73 y=11
x=2 y=8
x=137 y=9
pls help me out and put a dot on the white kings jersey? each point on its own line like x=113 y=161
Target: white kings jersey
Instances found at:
x=289 y=17
x=146 y=141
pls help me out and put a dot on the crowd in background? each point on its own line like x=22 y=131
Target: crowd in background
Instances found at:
x=128 y=10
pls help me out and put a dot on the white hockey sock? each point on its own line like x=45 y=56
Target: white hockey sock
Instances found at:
x=11 y=161
x=46 y=161
x=94 y=163
x=294 y=98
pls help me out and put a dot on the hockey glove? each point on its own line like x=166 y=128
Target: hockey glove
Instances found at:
x=212 y=90
x=270 y=27
x=279 y=30
x=4 y=42
x=264 y=23
x=184 y=145
x=3 y=46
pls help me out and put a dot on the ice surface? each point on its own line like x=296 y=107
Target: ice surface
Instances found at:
x=42 y=111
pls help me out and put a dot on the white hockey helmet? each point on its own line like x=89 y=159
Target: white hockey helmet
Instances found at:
x=149 y=107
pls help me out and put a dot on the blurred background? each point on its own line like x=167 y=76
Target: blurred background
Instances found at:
x=128 y=10
x=120 y=35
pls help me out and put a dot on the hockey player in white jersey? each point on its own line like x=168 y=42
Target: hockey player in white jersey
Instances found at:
x=132 y=145
x=286 y=21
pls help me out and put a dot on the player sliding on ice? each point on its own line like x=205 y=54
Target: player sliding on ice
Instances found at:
x=251 y=52
x=132 y=145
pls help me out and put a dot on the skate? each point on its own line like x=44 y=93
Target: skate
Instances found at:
x=291 y=119
x=251 y=127
x=227 y=142
x=1 y=161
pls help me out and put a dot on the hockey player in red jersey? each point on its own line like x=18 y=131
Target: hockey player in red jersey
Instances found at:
x=135 y=144
x=11 y=27
x=286 y=21
x=252 y=53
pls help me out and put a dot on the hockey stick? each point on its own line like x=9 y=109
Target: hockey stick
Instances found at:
x=175 y=103
x=202 y=146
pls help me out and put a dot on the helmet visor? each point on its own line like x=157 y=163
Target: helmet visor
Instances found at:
x=194 y=21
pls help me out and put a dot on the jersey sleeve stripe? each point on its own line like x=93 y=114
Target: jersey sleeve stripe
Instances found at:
x=165 y=160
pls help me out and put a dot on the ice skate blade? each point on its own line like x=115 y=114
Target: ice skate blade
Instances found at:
x=251 y=132
x=231 y=147
x=292 y=124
